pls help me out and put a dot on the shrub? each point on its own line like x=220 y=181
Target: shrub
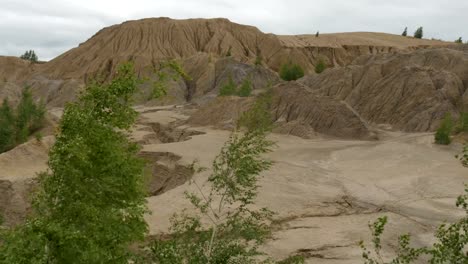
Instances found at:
x=405 y=32
x=7 y=127
x=29 y=116
x=90 y=204
x=16 y=126
x=291 y=72
x=418 y=33
x=245 y=88
x=459 y=40
x=30 y=55
x=235 y=228
x=317 y=34
x=462 y=124
x=259 y=116
x=229 y=88
x=258 y=60
x=442 y=135
x=320 y=67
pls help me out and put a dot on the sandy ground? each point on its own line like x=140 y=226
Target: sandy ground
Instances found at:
x=324 y=191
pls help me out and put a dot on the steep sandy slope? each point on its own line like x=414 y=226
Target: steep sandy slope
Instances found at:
x=411 y=91
x=148 y=40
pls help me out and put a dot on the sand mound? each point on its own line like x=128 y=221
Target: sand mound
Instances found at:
x=411 y=91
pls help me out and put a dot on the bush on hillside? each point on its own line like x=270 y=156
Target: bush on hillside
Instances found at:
x=442 y=135
x=291 y=72
x=17 y=125
x=419 y=33
x=459 y=40
x=320 y=67
x=405 y=32
x=30 y=55
x=7 y=127
x=462 y=123
x=229 y=88
x=245 y=89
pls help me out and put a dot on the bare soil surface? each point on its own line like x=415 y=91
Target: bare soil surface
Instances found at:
x=324 y=190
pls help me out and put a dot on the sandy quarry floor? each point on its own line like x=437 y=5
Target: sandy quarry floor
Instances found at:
x=325 y=191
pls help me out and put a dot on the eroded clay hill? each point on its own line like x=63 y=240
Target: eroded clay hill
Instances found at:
x=149 y=40
x=411 y=91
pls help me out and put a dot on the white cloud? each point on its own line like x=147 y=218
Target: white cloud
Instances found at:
x=53 y=26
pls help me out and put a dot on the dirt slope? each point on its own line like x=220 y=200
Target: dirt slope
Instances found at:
x=295 y=109
x=412 y=91
x=148 y=40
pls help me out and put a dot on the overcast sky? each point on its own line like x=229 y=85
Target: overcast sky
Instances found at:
x=51 y=27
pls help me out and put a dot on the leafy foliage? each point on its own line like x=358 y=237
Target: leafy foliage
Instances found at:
x=7 y=127
x=259 y=116
x=463 y=157
x=30 y=55
x=459 y=40
x=405 y=32
x=246 y=88
x=442 y=135
x=419 y=33
x=167 y=71
x=462 y=124
x=29 y=116
x=317 y=34
x=291 y=72
x=90 y=205
x=229 y=88
x=320 y=67
x=235 y=229
x=16 y=126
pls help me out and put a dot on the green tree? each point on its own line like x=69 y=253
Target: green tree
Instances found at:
x=29 y=116
x=442 y=135
x=459 y=40
x=7 y=127
x=317 y=34
x=229 y=88
x=291 y=72
x=90 y=205
x=419 y=33
x=246 y=88
x=320 y=67
x=405 y=32
x=235 y=229
x=30 y=55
